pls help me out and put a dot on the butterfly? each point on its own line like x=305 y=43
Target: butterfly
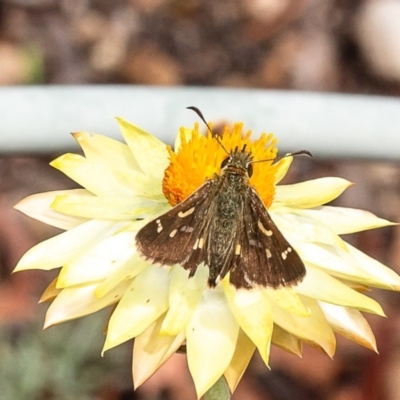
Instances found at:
x=225 y=226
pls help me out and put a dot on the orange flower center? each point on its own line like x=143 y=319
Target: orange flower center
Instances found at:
x=199 y=158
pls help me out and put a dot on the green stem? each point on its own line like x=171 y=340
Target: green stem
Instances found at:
x=219 y=391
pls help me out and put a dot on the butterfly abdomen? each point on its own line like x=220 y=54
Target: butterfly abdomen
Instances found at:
x=223 y=229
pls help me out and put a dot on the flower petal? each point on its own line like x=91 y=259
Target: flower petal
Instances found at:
x=79 y=301
x=299 y=227
x=98 y=261
x=92 y=174
x=144 y=301
x=334 y=260
x=310 y=193
x=102 y=149
x=150 y=152
x=240 y=360
x=107 y=207
x=51 y=292
x=349 y=323
x=37 y=206
x=314 y=329
x=252 y=310
x=211 y=338
x=288 y=299
x=286 y=341
x=343 y=220
x=60 y=249
x=380 y=275
x=321 y=286
x=151 y=350
x=133 y=267
x=184 y=296
x=283 y=168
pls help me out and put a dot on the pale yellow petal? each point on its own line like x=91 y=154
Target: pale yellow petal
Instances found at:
x=60 y=249
x=103 y=149
x=299 y=227
x=145 y=300
x=211 y=338
x=252 y=310
x=334 y=260
x=98 y=261
x=151 y=350
x=314 y=329
x=128 y=270
x=150 y=152
x=380 y=275
x=37 y=206
x=51 y=292
x=115 y=162
x=240 y=361
x=107 y=207
x=184 y=296
x=79 y=301
x=92 y=176
x=322 y=286
x=284 y=165
x=286 y=341
x=342 y=220
x=310 y=193
x=349 y=323
x=288 y=299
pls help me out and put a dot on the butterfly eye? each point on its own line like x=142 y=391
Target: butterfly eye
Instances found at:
x=249 y=170
x=225 y=162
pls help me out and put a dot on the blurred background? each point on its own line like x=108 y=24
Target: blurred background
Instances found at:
x=304 y=45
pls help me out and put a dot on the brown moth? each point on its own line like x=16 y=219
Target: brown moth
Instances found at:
x=225 y=225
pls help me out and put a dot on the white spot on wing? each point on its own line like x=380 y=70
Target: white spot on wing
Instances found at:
x=173 y=233
x=187 y=229
x=237 y=249
x=247 y=279
x=269 y=255
x=255 y=243
x=183 y=214
x=265 y=231
x=285 y=253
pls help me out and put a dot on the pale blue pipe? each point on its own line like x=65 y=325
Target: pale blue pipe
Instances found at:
x=39 y=118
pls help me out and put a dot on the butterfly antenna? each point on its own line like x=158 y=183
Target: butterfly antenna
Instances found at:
x=296 y=153
x=200 y=114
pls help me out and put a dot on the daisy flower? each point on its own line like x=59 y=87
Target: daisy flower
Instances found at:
x=125 y=186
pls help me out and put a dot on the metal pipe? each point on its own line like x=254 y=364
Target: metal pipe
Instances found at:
x=39 y=118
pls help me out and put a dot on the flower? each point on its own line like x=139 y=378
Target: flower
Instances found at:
x=124 y=186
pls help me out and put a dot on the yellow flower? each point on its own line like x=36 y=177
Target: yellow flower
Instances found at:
x=127 y=185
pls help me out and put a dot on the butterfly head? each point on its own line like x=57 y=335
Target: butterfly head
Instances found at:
x=238 y=161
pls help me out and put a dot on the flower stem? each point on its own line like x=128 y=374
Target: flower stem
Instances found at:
x=219 y=391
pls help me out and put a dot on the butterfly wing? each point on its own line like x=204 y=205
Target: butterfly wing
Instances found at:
x=257 y=254
x=173 y=238
x=266 y=258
